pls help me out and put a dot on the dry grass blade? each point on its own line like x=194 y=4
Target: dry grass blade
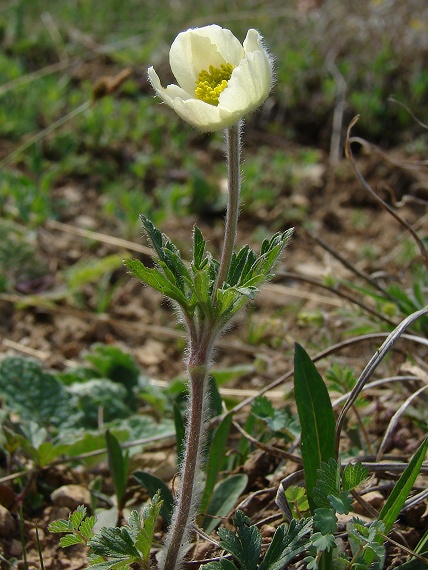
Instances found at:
x=408 y=227
x=394 y=420
x=372 y=365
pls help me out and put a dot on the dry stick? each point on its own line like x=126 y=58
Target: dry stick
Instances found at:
x=319 y=356
x=371 y=367
x=342 y=294
x=346 y=263
x=274 y=451
x=339 y=108
x=408 y=227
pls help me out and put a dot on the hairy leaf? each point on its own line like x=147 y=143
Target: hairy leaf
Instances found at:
x=328 y=483
x=325 y=520
x=245 y=544
x=353 y=475
x=287 y=543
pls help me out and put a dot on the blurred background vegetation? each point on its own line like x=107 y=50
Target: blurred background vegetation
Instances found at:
x=334 y=59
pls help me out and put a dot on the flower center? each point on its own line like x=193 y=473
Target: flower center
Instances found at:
x=211 y=83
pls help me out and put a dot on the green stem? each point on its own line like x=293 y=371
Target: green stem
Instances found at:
x=233 y=138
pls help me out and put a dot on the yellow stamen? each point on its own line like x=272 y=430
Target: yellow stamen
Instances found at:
x=212 y=82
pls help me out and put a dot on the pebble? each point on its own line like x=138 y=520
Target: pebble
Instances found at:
x=7 y=522
x=71 y=496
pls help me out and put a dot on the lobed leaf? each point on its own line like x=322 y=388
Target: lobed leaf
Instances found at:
x=328 y=483
x=245 y=544
x=70 y=540
x=354 y=475
x=77 y=516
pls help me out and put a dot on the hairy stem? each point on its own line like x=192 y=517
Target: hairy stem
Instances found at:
x=189 y=493
x=202 y=335
x=233 y=138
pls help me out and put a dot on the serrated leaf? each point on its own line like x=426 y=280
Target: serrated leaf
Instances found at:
x=144 y=539
x=114 y=542
x=198 y=248
x=325 y=520
x=77 y=516
x=328 y=483
x=287 y=543
x=60 y=525
x=353 y=475
x=323 y=542
x=341 y=504
x=86 y=527
x=153 y=484
x=245 y=544
x=70 y=539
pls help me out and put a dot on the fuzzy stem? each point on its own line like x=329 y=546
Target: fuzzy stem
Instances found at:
x=202 y=337
x=233 y=138
x=188 y=496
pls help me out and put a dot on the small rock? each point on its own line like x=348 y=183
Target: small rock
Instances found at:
x=15 y=548
x=71 y=496
x=33 y=532
x=7 y=522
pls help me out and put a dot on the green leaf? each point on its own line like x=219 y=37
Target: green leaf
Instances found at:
x=215 y=458
x=288 y=542
x=60 y=525
x=86 y=528
x=157 y=280
x=35 y=394
x=77 y=516
x=353 y=475
x=146 y=526
x=153 y=485
x=328 y=483
x=225 y=495
x=115 y=543
x=198 y=248
x=316 y=418
x=245 y=544
x=341 y=504
x=323 y=542
x=223 y=564
x=70 y=540
x=325 y=520
x=118 y=463
x=402 y=488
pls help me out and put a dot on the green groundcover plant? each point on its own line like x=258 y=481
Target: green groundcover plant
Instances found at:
x=219 y=81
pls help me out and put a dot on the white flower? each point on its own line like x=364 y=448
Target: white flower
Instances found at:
x=219 y=80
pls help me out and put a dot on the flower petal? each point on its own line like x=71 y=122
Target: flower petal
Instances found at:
x=249 y=85
x=197 y=49
x=204 y=116
x=169 y=93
